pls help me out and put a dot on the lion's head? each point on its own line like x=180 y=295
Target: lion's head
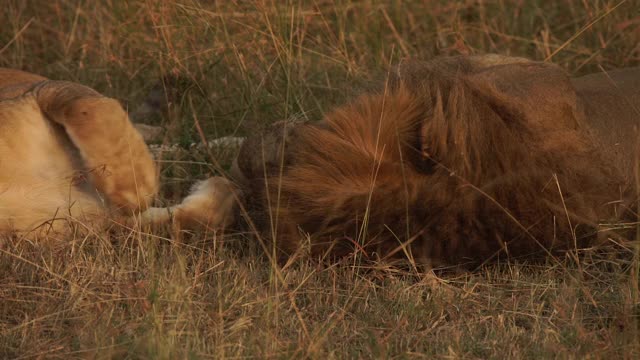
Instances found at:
x=449 y=161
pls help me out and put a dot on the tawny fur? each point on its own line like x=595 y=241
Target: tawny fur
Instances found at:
x=208 y=206
x=71 y=155
x=456 y=160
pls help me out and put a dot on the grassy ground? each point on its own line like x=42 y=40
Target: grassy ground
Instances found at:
x=240 y=65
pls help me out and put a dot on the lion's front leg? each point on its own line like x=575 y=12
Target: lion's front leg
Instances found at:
x=115 y=154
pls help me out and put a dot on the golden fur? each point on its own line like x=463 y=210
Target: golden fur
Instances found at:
x=455 y=160
x=69 y=154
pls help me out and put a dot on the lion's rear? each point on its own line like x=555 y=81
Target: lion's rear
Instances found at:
x=37 y=169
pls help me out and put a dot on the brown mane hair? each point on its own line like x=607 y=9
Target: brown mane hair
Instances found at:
x=447 y=163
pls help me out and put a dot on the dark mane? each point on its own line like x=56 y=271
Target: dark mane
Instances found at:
x=445 y=166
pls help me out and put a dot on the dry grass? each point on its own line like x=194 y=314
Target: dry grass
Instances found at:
x=128 y=294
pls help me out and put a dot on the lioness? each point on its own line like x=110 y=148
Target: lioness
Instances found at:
x=451 y=161
x=69 y=154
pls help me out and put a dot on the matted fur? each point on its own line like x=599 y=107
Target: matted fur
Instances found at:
x=454 y=160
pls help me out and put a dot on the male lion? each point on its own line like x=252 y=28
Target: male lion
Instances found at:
x=69 y=154
x=454 y=160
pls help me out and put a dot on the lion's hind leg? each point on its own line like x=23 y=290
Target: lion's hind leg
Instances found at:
x=112 y=150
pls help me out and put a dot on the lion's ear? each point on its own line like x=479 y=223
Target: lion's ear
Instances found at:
x=539 y=94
